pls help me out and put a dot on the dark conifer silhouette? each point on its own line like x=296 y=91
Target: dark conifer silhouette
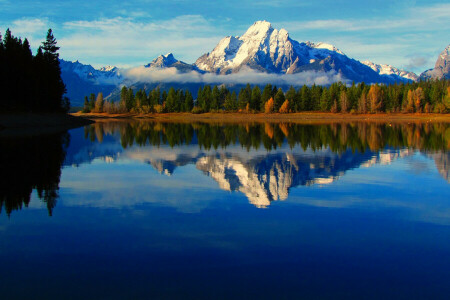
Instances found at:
x=31 y=83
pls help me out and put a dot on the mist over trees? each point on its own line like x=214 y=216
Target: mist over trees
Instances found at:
x=414 y=97
x=31 y=83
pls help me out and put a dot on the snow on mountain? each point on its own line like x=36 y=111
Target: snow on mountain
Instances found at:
x=442 y=67
x=270 y=50
x=169 y=61
x=82 y=80
x=105 y=75
x=326 y=46
x=261 y=47
x=391 y=71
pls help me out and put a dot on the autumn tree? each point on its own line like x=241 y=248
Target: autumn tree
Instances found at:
x=99 y=103
x=269 y=106
x=375 y=98
x=343 y=101
x=284 y=109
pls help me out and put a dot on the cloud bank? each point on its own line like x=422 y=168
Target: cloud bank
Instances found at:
x=247 y=75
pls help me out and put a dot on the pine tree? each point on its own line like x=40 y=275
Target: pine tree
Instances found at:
x=255 y=102
x=86 y=108
x=291 y=96
x=171 y=101
x=279 y=99
x=266 y=95
x=215 y=98
x=92 y=102
x=55 y=85
x=188 y=101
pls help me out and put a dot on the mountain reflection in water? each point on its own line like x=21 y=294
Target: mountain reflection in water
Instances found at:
x=262 y=161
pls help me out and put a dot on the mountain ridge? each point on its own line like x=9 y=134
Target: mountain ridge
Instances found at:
x=261 y=49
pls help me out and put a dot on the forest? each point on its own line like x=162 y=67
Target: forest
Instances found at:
x=413 y=97
x=31 y=83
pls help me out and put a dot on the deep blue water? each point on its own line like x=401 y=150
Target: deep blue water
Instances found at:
x=174 y=211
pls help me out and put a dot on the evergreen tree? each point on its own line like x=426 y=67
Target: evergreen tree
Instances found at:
x=55 y=85
x=171 y=101
x=92 y=102
x=188 y=101
x=215 y=98
x=291 y=96
x=279 y=99
x=266 y=95
x=243 y=98
x=255 y=103
x=86 y=108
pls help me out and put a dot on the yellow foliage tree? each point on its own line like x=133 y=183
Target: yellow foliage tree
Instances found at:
x=284 y=109
x=99 y=103
x=447 y=99
x=419 y=98
x=343 y=100
x=375 y=97
x=269 y=106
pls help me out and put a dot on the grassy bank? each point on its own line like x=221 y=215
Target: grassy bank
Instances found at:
x=12 y=124
x=306 y=117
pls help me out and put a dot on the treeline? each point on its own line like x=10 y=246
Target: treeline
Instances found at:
x=339 y=137
x=417 y=97
x=28 y=82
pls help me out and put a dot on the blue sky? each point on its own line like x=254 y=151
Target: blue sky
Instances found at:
x=407 y=34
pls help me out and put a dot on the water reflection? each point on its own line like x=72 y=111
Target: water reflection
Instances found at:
x=261 y=161
x=264 y=161
x=29 y=163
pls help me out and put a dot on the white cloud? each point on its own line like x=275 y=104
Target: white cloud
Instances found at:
x=138 y=42
x=418 y=32
x=143 y=74
x=34 y=29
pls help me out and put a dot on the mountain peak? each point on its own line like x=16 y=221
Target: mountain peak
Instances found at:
x=163 y=61
x=259 y=28
x=441 y=68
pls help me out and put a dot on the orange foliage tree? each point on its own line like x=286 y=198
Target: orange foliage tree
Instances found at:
x=284 y=109
x=269 y=106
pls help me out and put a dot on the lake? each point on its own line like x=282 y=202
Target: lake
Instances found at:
x=147 y=210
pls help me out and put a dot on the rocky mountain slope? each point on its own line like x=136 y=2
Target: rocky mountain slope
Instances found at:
x=82 y=80
x=261 y=49
x=266 y=49
x=442 y=67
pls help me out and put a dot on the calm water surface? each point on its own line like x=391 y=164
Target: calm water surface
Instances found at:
x=142 y=210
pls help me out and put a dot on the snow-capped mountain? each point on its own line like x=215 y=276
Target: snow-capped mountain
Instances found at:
x=169 y=61
x=271 y=50
x=391 y=71
x=105 y=75
x=442 y=67
x=82 y=80
x=262 y=48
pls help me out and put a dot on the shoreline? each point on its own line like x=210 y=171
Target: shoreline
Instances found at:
x=26 y=124
x=303 y=117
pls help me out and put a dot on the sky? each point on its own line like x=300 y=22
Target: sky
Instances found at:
x=406 y=34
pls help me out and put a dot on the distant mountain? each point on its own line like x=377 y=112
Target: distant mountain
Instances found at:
x=266 y=49
x=82 y=80
x=393 y=72
x=262 y=48
x=441 y=69
x=169 y=61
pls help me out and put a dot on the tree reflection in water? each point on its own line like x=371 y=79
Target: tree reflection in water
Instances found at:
x=29 y=163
